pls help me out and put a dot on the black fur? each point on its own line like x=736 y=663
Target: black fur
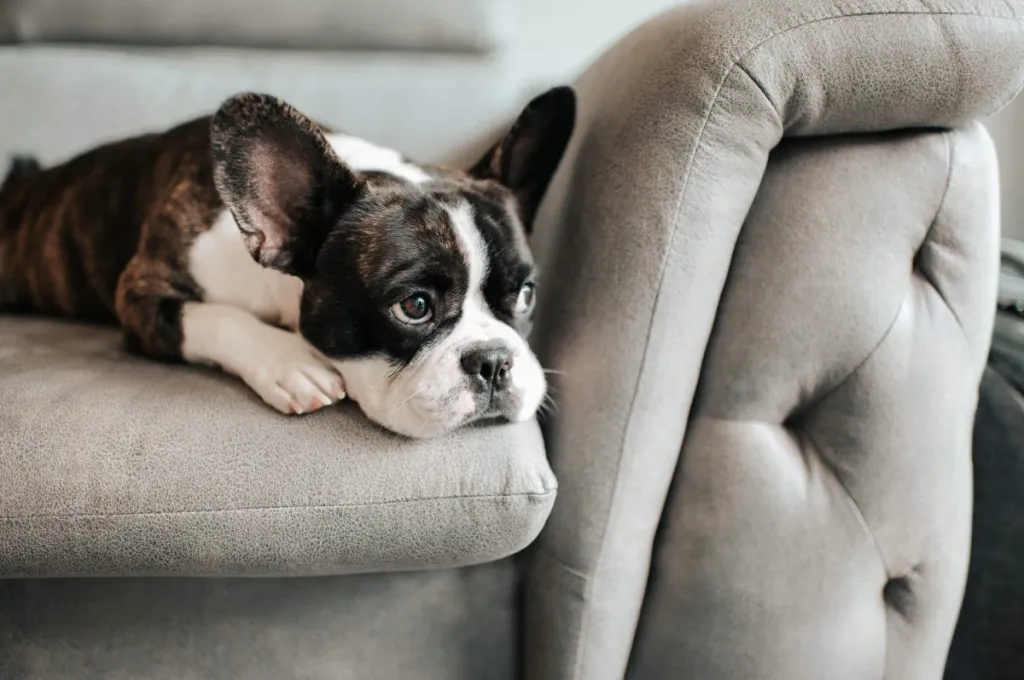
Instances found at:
x=20 y=168
x=363 y=241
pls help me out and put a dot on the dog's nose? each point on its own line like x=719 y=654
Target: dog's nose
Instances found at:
x=490 y=365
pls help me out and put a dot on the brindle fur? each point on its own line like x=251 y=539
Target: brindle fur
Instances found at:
x=106 y=235
x=103 y=236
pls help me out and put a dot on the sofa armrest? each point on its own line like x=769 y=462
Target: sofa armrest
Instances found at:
x=637 y=233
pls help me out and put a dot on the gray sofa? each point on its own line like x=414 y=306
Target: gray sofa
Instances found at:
x=771 y=256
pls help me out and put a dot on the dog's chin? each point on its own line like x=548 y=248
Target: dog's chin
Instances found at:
x=420 y=407
x=426 y=418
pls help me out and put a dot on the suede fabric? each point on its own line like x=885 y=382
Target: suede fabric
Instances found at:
x=766 y=349
x=676 y=126
x=821 y=513
x=434 y=625
x=117 y=466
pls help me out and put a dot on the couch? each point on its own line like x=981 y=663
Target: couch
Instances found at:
x=770 y=259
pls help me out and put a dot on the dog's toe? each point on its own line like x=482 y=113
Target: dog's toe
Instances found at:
x=277 y=397
x=304 y=390
x=327 y=380
x=292 y=377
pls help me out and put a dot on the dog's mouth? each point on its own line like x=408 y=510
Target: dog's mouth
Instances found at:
x=426 y=400
x=494 y=404
x=434 y=416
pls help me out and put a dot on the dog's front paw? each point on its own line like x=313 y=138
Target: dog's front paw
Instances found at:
x=295 y=378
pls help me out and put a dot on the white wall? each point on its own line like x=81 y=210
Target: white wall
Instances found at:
x=558 y=38
x=1007 y=129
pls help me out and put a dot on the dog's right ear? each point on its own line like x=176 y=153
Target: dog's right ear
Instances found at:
x=280 y=178
x=527 y=157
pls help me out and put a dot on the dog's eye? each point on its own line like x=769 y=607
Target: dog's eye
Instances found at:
x=527 y=294
x=415 y=309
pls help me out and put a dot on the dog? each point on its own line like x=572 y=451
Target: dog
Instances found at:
x=311 y=264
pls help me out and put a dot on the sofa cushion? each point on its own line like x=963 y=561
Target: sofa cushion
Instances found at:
x=439 y=25
x=113 y=465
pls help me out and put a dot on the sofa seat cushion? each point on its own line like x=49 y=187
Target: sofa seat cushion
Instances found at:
x=114 y=465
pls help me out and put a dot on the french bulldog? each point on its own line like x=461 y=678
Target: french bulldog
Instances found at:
x=311 y=264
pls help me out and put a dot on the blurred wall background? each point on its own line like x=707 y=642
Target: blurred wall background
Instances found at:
x=454 y=99
x=1007 y=129
x=558 y=37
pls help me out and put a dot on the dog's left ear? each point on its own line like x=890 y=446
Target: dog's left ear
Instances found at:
x=276 y=172
x=526 y=159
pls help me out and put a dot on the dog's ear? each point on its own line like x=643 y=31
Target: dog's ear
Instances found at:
x=525 y=160
x=280 y=178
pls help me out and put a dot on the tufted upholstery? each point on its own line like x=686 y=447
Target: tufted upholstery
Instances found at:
x=800 y=454
x=824 y=483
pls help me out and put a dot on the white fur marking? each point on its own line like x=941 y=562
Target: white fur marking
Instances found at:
x=473 y=248
x=359 y=154
x=221 y=264
x=433 y=395
x=279 y=365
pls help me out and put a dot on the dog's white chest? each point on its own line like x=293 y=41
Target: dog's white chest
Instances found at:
x=220 y=263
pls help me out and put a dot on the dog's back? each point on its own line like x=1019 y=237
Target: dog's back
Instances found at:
x=21 y=167
x=68 y=231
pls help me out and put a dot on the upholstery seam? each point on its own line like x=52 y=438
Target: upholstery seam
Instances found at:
x=826 y=464
x=285 y=508
x=713 y=106
x=764 y=92
x=589 y=587
x=858 y=515
x=560 y=563
x=828 y=393
x=851 y=503
x=922 y=272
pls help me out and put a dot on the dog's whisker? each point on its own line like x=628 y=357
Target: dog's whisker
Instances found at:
x=405 y=401
x=549 y=404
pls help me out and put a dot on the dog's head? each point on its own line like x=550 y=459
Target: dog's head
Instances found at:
x=418 y=281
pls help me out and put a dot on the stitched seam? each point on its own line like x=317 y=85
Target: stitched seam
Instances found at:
x=851 y=501
x=585 y=620
x=806 y=432
x=286 y=508
x=858 y=515
x=558 y=562
x=950 y=159
x=828 y=393
x=764 y=92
